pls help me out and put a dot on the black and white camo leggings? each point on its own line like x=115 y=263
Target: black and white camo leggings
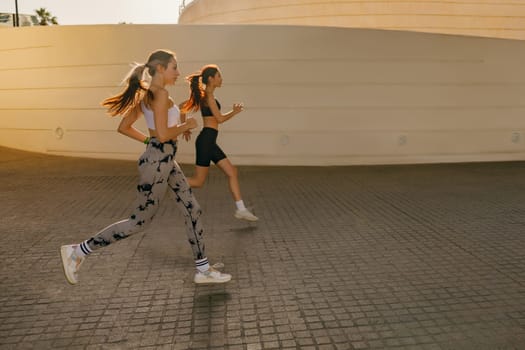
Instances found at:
x=158 y=171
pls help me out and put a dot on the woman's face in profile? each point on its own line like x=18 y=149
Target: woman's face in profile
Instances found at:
x=172 y=72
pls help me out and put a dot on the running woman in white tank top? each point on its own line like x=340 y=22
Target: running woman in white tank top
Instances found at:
x=157 y=167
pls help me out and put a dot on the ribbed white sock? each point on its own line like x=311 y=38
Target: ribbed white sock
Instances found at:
x=202 y=265
x=82 y=249
x=240 y=205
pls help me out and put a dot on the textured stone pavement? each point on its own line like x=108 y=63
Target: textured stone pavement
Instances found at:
x=364 y=257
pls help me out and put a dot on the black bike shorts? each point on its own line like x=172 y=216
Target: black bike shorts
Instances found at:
x=207 y=149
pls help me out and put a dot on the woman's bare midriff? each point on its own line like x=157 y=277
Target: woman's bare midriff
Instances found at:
x=210 y=122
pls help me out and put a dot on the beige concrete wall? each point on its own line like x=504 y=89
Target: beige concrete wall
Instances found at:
x=313 y=95
x=490 y=18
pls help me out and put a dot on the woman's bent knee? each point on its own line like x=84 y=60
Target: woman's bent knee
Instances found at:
x=196 y=183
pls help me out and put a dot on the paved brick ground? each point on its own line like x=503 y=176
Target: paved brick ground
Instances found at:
x=369 y=257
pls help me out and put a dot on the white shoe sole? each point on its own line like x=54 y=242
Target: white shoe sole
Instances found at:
x=63 y=255
x=212 y=281
x=240 y=217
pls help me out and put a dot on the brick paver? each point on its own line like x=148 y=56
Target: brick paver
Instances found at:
x=363 y=257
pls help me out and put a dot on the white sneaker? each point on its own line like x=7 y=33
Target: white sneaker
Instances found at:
x=218 y=265
x=70 y=262
x=211 y=276
x=245 y=214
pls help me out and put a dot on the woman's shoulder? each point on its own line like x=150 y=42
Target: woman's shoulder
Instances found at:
x=158 y=95
x=211 y=98
x=160 y=92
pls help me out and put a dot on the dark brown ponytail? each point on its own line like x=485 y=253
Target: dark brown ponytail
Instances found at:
x=120 y=104
x=197 y=93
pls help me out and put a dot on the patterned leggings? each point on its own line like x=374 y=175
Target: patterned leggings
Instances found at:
x=158 y=171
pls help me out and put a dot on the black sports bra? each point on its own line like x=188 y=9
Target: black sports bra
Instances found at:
x=206 y=111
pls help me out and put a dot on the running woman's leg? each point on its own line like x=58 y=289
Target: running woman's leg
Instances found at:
x=191 y=211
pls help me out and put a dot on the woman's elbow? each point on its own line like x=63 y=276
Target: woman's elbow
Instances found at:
x=121 y=130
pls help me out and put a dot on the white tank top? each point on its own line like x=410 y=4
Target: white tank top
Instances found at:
x=173 y=116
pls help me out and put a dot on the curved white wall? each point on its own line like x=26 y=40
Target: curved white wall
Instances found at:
x=489 y=18
x=313 y=95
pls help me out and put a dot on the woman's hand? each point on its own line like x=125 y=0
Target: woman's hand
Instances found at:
x=238 y=108
x=190 y=123
x=186 y=135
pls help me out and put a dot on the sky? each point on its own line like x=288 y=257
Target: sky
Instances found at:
x=72 y=12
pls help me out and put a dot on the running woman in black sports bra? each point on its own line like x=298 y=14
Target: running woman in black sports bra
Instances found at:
x=202 y=87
